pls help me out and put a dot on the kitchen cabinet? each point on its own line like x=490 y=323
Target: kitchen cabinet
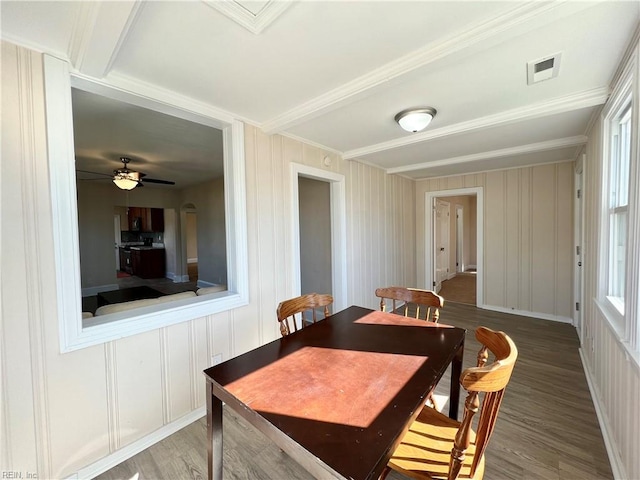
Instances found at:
x=148 y=262
x=141 y=219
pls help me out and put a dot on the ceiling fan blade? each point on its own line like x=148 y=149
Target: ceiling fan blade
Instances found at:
x=155 y=180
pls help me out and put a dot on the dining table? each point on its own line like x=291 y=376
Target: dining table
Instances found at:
x=338 y=395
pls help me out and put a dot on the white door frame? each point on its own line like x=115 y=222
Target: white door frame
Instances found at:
x=578 y=232
x=429 y=235
x=445 y=233
x=338 y=231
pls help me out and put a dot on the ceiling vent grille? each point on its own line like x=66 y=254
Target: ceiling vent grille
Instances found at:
x=544 y=68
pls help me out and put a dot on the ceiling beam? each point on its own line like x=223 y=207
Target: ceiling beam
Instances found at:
x=487 y=33
x=504 y=152
x=576 y=101
x=101 y=28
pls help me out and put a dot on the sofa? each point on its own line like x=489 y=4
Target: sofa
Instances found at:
x=121 y=307
x=124 y=306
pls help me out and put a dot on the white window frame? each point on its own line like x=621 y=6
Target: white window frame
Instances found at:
x=58 y=83
x=623 y=319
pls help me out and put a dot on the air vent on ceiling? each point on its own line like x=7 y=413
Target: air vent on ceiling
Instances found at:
x=542 y=69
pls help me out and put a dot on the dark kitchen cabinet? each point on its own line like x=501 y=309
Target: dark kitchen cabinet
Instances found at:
x=156 y=220
x=125 y=261
x=142 y=219
x=148 y=262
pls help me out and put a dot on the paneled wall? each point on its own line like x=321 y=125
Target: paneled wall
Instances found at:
x=613 y=377
x=62 y=414
x=528 y=237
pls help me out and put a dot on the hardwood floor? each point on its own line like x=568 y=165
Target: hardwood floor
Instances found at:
x=547 y=427
x=460 y=289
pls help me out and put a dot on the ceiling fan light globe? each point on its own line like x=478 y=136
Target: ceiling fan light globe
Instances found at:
x=415 y=120
x=126 y=180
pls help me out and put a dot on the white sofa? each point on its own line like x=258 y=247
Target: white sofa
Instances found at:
x=121 y=307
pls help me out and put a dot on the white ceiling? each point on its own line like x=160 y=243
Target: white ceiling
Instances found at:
x=335 y=73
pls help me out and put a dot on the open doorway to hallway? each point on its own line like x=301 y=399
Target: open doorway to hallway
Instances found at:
x=455 y=249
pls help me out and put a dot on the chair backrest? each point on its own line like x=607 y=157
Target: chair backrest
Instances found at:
x=288 y=309
x=491 y=380
x=413 y=298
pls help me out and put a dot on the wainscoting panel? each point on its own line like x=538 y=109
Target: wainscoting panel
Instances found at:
x=139 y=388
x=178 y=358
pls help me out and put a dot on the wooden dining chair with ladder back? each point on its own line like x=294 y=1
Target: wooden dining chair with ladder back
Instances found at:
x=309 y=304
x=437 y=447
x=421 y=304
x=424 y=304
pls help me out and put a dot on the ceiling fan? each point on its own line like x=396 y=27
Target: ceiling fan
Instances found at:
x=126 y=179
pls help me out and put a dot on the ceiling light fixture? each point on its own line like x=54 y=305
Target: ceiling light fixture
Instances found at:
x=415 y=119
x=126 y=179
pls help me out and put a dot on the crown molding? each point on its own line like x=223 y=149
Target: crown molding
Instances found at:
x=417 y=59
x=576 y=101
x=122 y=87
x=254 y=22
x=504 y=152
x=489 y=170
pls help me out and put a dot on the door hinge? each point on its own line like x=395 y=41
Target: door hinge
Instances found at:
x=577 y=306
x=578 y=193
x=434 y=284
x=577 y=249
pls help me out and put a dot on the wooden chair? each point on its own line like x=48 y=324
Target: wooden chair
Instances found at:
x=412 y=297
x=288 y=309
x=437 y=447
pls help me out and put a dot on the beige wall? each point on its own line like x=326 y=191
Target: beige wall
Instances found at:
x=63 y=412
x=528 y=232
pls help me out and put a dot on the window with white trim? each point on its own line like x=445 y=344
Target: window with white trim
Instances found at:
x=618 y=208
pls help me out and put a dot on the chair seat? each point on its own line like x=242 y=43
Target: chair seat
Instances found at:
x=425 y=450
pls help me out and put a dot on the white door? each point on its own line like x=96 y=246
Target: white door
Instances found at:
x=441 y=243
x=459 y=239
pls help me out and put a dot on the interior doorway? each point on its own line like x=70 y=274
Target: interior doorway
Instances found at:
x=453 y=249
x=335 y=245
x=314 y=212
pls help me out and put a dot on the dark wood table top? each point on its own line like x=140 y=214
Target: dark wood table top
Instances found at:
x=344 y=388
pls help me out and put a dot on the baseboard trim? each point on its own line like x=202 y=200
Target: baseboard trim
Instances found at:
x=615 y=460
x=119 y=456
x=203 y=284
x=177 y=278
x=451 y=275
x=192 y=260
x=526 y=313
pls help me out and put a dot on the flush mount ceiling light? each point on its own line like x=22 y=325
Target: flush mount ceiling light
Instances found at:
x=415 y=119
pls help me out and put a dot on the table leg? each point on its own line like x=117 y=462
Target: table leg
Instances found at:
x=214 y=434
x=454 y=392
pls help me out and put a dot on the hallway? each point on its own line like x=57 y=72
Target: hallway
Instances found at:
x=460 y=289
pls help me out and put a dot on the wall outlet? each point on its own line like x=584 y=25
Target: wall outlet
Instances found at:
x=216 y=359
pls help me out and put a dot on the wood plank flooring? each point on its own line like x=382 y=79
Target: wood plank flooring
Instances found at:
x=547 y=427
